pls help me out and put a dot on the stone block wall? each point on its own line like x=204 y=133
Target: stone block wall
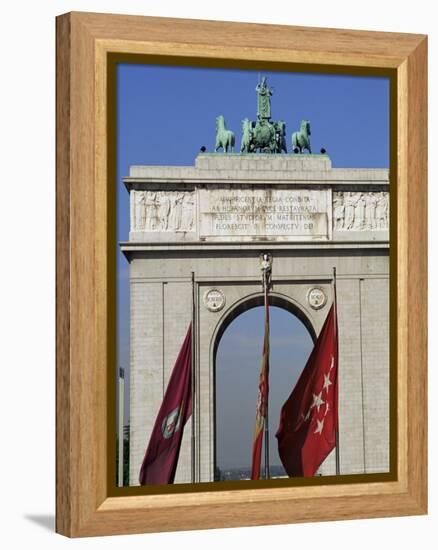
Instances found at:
x=168 y=242
x=160 y=316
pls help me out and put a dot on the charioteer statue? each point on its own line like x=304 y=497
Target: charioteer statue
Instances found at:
x=263 y=135
x=264 y=100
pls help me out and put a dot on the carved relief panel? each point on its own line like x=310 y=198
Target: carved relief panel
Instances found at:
x=162 y=211
x=360 y=211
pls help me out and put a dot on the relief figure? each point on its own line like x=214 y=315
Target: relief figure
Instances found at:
x=139 y=210
x=382 y=211
x=338 y=211
x=175 y=211
x=151 y=211
x=359 y=212
x=187 y=212
x=163 y=211
x=349 y=210
x=370 y=211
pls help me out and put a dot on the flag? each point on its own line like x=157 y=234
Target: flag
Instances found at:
x=309 y=417
x=161 y=458
x=262 y=402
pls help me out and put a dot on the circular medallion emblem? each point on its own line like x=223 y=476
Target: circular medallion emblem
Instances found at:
x=171 y=423
x=316 y=298
x=214 y=299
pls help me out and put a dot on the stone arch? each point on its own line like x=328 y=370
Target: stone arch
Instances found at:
x=242 y=305
x=222 y=255
x=257 y=299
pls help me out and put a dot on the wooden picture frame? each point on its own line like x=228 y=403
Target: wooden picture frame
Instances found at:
x=84 y=42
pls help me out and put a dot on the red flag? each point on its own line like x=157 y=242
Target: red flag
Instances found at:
x=262 y=402
x=161 y=458
x=309 y=417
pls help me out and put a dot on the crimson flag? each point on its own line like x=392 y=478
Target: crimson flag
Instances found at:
x=161 y=458
x=309 y=417
x=262 y=402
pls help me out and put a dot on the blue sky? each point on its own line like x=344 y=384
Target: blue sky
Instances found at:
x=164 y=116
x=237 y=376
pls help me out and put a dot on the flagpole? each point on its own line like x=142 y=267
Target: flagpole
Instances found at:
x=121 y=422
x=266 y=266
x=338 y=470
x=266 y=289
x=193 y=373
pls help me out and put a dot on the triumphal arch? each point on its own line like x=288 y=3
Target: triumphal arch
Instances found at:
x=209 y=223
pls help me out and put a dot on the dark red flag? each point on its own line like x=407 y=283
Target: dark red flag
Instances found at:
x=161 y=458
x=309 y=417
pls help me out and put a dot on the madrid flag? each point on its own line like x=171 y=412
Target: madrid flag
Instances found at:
x=309 y=417
x=161 y=458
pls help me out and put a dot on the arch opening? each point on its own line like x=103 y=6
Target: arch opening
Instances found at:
x=237 y=355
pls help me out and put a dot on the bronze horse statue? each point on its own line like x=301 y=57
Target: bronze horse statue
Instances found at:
x=224 y=138
x=301 y=139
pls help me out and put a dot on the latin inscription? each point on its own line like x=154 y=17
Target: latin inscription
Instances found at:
x=263 y=213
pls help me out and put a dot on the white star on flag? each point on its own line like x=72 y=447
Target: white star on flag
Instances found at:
x=327 y=382
x=317 y=401
x=319 y=427
x=332 y=364
x=327 y=407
